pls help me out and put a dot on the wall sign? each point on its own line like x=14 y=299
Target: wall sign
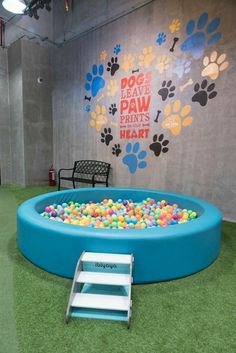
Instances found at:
x=124 y=89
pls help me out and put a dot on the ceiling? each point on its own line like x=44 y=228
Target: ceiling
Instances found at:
x=59 y=25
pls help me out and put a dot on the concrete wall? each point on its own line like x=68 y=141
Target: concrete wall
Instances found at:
x=16 y=114
x=28 y=129
x=84 y=15
x=37 y=107
x=200 y=127
x=5 y=150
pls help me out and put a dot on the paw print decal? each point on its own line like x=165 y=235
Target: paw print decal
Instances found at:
x=206 y=92
x=113 y=66
x=112 y=109
x=116 y=150
x=98 y=117
x=103 y=55
x=214 y=65
x=128 y=63
x=177 y=117
x=146 y=58
x=175 y=26
x=117 y=49
x=167 y=90
x=87 y=108
x=158 y=145
x=106 y=136
x=95 y=80
x=134 y=158
x=201 y=35
x=182 y=67
x=163 y=63
x=112 y=88
x=161 y=38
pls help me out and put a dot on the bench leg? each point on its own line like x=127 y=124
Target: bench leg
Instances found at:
x=73 y=183
x=59 y=184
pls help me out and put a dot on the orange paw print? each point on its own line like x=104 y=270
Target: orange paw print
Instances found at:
x=214 y=65
x=147 y=57
x=176 y=117
x=98 y=117
x=174 y=26
x=128 y=63
x=163 y=63
x=103 y=55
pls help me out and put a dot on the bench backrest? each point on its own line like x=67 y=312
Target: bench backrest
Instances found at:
x=91 y=167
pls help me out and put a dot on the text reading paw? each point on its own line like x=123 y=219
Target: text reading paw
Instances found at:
x=206 y=92
x=95 y=82
x=158 y=145
x=116 y=150
x=113 y=66
x=134 y=158
x=167 y=90
x=106 y=136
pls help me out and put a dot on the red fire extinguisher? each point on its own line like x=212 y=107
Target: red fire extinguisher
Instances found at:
x=51 y=176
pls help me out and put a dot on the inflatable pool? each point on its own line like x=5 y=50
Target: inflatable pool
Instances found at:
x=159 y=253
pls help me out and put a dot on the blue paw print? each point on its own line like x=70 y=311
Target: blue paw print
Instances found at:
x=182 y=67
x=95 y=80
x=87 y=108
x=117 y=49
x=132 y=159
x=196 y=42
x=161 y=38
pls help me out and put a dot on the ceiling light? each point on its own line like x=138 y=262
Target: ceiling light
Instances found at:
x=15 y=6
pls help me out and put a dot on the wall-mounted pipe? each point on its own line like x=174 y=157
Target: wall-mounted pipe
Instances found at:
x=1 y=31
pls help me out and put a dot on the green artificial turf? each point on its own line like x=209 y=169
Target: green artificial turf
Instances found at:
x=195 y=314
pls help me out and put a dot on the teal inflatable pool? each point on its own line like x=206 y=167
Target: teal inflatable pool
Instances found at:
x=159 y=253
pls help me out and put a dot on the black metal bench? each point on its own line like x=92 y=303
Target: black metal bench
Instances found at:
x=87 y=171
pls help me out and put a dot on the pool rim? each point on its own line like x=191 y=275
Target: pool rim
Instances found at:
x=199 y=224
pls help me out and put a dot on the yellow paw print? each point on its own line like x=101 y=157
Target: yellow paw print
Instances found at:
x=176 y=118
x=112 y=88
x=147 y=57
x=163 y=63
x=213 y=66
x=128 y=63
x=98 y=117
x=103 y=55
x=175 y=26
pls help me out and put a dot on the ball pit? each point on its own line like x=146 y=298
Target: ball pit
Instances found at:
x=160 y=253
x=121 y=214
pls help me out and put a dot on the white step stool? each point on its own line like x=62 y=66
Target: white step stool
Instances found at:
x=101 y=287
